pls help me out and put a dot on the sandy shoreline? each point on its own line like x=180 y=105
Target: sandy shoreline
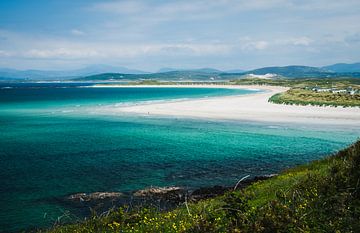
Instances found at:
x=251 y=107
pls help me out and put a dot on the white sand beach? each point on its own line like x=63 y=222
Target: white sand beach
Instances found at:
x=251 y=107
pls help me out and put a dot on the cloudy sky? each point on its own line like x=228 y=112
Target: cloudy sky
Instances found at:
x=148 y=35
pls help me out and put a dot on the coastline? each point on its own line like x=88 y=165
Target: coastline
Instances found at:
x=249 y=107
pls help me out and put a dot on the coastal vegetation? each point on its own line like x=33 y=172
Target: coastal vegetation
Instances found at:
x=297 y=96
x=304 y=91
x=322 y=196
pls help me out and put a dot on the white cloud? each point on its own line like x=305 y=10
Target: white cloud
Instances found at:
x=113 y=51
x=195 y=49
x=194 y=31
x=259 y=45
x=59 y=53
x=296 y=41
x=77 y=32
x=302 y=41
x=247 y=43
x=5 y=53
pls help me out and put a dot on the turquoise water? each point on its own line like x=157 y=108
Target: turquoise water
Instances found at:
x=50 y=147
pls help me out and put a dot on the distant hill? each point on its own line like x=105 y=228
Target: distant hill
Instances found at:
x=343 y=67
x=237 y=71
x=105 y=72
x=302 y=72
x=194 y=75
x=290 y=71
x=201 y=70
x=64 y=75
x=166 y=69
x=207 y=74
x=98 y=69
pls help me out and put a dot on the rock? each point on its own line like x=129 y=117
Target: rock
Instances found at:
x=157 y=191
x=208 y=192
x=171 y=194
x=94 y=196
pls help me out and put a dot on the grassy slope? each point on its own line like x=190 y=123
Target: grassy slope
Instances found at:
x=323 y=196
x=299 y=96
x=308 y=97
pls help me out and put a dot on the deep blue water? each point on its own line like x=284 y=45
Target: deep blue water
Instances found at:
x=51 y=147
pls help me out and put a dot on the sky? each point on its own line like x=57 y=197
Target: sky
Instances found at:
x=152 y=34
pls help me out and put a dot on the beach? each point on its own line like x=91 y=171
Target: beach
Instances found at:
x=251 y=107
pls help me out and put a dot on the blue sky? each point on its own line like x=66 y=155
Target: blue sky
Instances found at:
x=148 y=35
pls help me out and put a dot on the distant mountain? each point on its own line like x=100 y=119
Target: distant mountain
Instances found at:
x=166 y=69
x=208 y=74
x=234 y=71
x=105 y=72
x=98 y=69
x=202 y=70
x=193 y=75
x=207 y=70
x=294 y=71
x=64 y=75
x=343 y=67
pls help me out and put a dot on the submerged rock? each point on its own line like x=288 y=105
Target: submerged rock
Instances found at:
x=96 y=196
x=155 y=191
x=171 y=193
x=164 y=197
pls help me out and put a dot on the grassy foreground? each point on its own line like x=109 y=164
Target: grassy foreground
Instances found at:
x=307 y=97
x=323 y=196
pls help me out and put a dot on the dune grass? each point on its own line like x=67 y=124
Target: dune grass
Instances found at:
x=298 y=96
x=323 y=196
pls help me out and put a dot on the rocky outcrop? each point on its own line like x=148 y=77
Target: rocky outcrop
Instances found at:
x=97 y=196
x=157 y=191
x=171 y=194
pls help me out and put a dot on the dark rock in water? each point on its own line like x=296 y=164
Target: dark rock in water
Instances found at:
x=154 y=191
x=174 y=194
x=160 y=197
x=97 y=196
x=85 y=204
x=208 y=192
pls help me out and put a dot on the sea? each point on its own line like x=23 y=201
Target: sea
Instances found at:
x=57 y=140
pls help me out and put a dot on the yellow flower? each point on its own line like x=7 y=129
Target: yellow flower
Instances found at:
x=116 y=224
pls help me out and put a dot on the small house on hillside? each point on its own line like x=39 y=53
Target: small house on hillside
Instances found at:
x=335 y=91
x=318 y=89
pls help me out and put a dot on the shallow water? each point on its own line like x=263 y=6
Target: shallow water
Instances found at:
x=50 y=147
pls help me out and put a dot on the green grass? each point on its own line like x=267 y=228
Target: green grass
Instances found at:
x=298 y=96
x=323 y=196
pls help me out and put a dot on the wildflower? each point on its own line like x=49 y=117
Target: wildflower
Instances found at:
x=116 y=224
